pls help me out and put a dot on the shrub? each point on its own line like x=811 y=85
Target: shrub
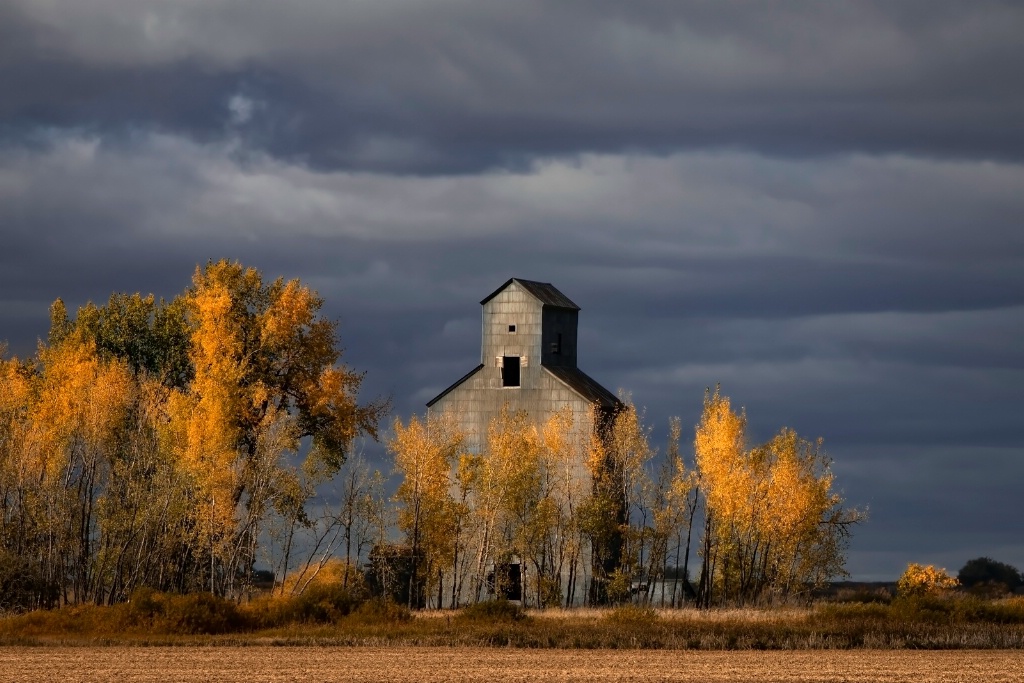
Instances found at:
x=311 y=596
x=193 y=613
x=323 y=603
x=333 y=573
x=865 y=596
x=632 y=615
x=318 y=604
x=380 y=610
x=493 y=610
x=143 y=607
x=971 y=608
x=620 y=586
x=550 y=592
x=924 y=580
x=199 y=613
x=923 y=608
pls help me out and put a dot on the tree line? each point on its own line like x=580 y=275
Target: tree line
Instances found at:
x=587 y=516
x=177 y=445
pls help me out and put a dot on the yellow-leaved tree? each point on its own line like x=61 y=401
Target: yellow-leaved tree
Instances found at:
x=558 y=543
x=76 y=424
x=773 y=526
x=425 y=453
x=148 y=442
x=919 y=579
x=264 y=376
x=507 y=496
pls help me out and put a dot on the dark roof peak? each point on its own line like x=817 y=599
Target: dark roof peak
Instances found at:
x=545 y=292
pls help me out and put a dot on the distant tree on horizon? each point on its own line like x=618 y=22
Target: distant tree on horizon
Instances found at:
x=986 y=572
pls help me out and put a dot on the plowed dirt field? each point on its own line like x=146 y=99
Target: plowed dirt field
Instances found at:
x=259 y=663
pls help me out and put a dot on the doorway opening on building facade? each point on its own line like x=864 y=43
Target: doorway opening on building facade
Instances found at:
x=510 y=371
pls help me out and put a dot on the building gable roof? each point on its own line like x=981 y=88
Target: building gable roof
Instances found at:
x=457 y=383
x=577 y=380
x=584 y=385
x=545 y=292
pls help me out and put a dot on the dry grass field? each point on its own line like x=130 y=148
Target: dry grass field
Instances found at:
x=961 y=624
x=491 y=665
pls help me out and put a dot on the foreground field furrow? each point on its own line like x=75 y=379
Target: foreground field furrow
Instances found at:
x=273 y=664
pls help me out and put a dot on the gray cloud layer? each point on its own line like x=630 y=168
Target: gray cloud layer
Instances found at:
x=817 y=205
x=438 y=87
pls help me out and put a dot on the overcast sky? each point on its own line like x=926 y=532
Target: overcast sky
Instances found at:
x=817 y=205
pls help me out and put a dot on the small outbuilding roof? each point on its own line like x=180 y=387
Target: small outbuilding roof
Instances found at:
x=545 y=292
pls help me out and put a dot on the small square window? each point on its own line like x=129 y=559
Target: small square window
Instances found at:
x=511 y=328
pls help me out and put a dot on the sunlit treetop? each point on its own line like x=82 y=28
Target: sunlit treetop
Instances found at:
x=261 y=347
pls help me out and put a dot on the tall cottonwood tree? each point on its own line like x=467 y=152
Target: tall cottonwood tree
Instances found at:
x=425 y=452
x=618 y=512
x=264 y=376
x=772 y=524
x=679 y=511
x=80 y=409
x=359 y=491
x=145 y=443
x=21 y=581
x=466 y=481
x=565 y=488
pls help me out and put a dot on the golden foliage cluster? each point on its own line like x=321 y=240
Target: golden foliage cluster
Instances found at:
x=152 y=443
x=575 y=502
x=921 y=579
x=772 y=524
x=464 y=514
x=147 y=442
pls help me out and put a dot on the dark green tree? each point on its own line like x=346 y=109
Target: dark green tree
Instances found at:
x=986 y=572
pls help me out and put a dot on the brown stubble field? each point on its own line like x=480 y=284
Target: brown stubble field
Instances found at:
x=253 y=664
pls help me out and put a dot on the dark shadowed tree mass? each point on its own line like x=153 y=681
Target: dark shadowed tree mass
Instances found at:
x=988 y=573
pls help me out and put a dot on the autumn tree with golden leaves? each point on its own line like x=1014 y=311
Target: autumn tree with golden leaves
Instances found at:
x=467 y=515
x=918 y=580
x=148 y=442
x=773 y=526
x=425 y=453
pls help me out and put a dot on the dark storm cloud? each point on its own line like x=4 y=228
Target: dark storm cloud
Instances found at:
x=457 y=87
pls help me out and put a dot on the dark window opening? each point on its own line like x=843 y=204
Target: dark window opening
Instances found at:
x=556 y=346
x=510 y=371
x=511 y=328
